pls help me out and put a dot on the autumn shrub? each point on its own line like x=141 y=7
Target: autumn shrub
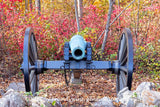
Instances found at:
x=51 y=30
x=147 y=58
x=147 y=54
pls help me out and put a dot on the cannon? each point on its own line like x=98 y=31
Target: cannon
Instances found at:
x=77 y=56
x=77 y=46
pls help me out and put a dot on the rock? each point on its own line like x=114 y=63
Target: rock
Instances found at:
x=12 y=99
x=44 y=102
x=141 y=97
x=150 y=97
x=128 y=98
x=104 y=102
x=140 y=105
x=130 y=103
x=145 y=86
x=124 y=95
x=1 y=92
x=16 y=86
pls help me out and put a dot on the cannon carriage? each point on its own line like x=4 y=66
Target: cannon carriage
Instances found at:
x=77 y=56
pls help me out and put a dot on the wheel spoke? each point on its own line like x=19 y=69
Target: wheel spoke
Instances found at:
x=123 y=62
x=31 y=75
x=122 y=44
x=33 y=84
x=31 y=59
x=122 y=79
x=124 y=69
x=31 y=54
x=124 y=53
x=33 y=45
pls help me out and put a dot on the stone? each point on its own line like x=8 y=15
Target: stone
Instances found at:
x=140 y=105
x=44 y=102
x=104 y=102
x=143 y=96
x=12 y=99
x=150 y=97
x=16 y=86
x=1 y=92
x=130 y=103
x=145 y=86
x=124 y=95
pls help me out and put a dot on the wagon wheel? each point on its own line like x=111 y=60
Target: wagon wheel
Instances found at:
x=29 y=58
x=125 y=57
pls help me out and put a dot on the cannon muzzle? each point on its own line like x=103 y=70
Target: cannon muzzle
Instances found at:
x=77 y=45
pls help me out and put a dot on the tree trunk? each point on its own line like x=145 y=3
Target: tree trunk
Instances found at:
x=80 y=8
x=1 y=30
x=1 y=19
x=137 y=27
x=108 y=24
x=1 y=15
x=26 y=5
x=30 y=3
x=38 y=6
x=52 y=4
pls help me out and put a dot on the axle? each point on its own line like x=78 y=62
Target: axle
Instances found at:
x=74 y=65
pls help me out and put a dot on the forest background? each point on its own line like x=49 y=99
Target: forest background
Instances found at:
x=54 y=23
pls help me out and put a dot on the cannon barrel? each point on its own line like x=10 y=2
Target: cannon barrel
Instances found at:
x=77 y=46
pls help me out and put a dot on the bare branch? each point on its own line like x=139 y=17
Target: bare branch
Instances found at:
x=137 y=27
x=30 y=3
x=113 y=22
x=26 y=6
x=76 y=13
x=38 y=6
x=80 y=8
x=107 y=26
x=121 y=12
x=99 y=39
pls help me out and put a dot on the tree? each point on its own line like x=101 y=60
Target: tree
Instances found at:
x=38 y=6
x=30 y=3
x=111 y=2
x=26 y=5
x=80 y=8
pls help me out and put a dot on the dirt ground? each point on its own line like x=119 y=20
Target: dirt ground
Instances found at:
x=95 y=85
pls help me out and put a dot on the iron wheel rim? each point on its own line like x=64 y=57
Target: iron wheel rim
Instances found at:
x=125 y=57
x=29 y=57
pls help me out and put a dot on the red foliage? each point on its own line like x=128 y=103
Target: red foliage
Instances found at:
x=53 y=29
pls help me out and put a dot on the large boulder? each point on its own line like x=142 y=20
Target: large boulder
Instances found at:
x=44 y=102
x=145 y=86
x=16 y=86
x=13 y=98
x=104 y=102
x=150 y=97
x=124 y=97
x=141 y=97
